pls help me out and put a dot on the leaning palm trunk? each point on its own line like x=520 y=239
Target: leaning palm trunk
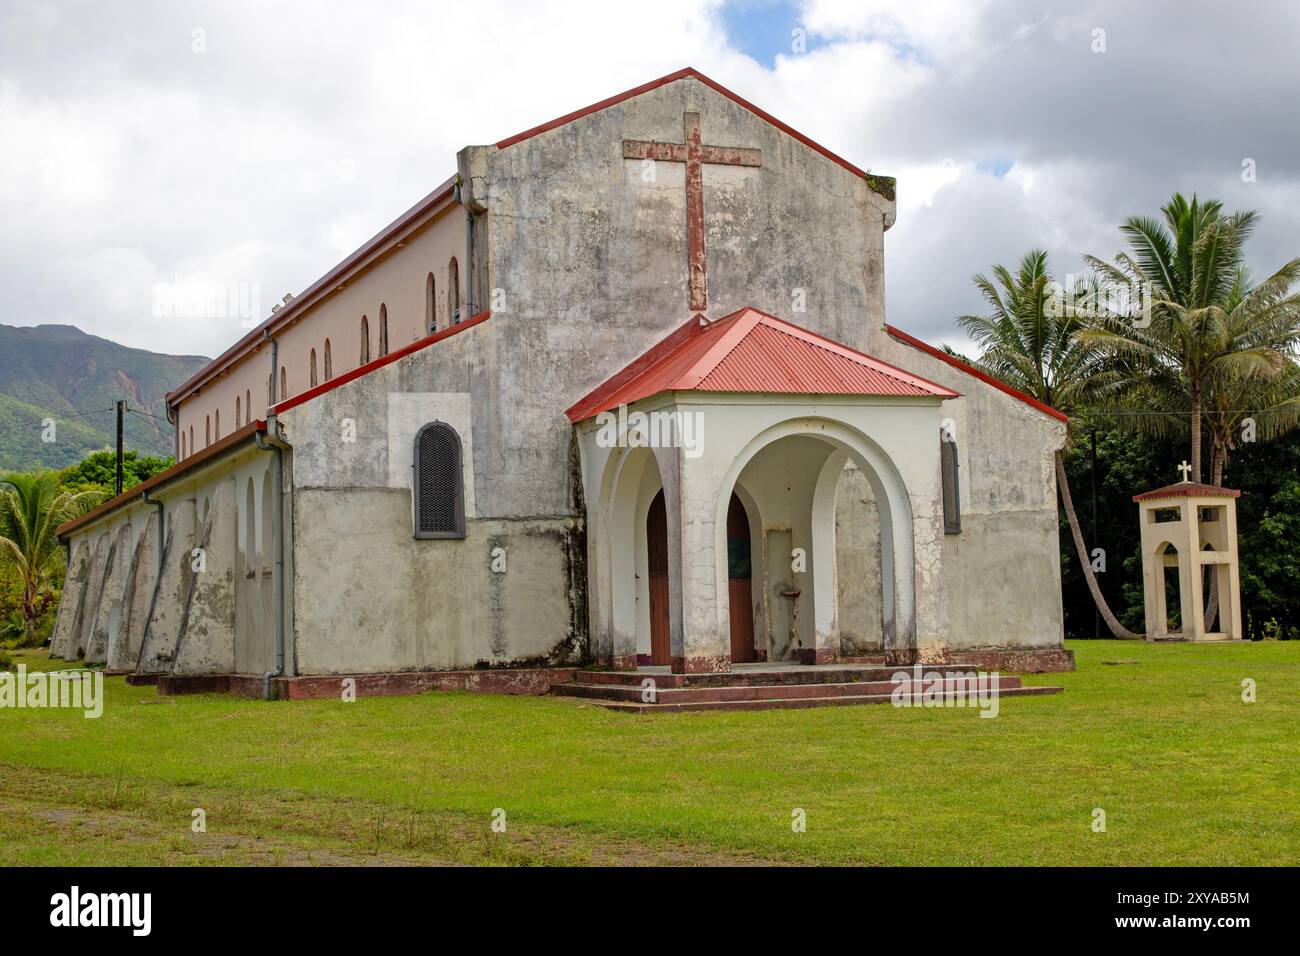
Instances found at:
x=1112 y=622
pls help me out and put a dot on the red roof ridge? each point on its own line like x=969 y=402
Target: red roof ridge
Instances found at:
x=876 y=182
x=175 y=471
x=330 y=384
x=984 y=377
x=1189 y=489
x=314 y=292
x=731 y=329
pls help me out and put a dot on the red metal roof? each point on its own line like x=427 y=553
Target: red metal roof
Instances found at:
x=178 y=470
x=1189 y=489
x=330 y=384
x=751 y=351
x=395 y=232
x=970 y=370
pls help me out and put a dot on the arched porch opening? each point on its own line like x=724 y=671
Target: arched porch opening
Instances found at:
x=832 y=544
x=1169 y=586
x=636 y=500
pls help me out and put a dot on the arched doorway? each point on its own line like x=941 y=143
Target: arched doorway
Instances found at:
x=739 y=577
x=1169 y=592
x=792 y=474
x=656 y=537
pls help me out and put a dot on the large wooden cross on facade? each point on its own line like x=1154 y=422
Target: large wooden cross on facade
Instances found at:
x=694 y=155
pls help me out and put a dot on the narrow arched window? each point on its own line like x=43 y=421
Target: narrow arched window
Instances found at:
x=216 y=430
x=329 y=362
x=383 y=329
x=313 y=368
x=950 y=480
x=207 y=430
x=430 y=304
x=439 y=483
x=182 y=444
x=453 y=291
x=365 y=340
x=250 y=530
x=248 y=405
x=267 y=522
x=192 y=440
x=284 y=384
x=237 y=407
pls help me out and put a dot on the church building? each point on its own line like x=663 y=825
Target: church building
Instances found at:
x=619 y=393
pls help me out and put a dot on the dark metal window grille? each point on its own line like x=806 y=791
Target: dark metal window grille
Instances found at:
x=439 y=483
x=951 y=484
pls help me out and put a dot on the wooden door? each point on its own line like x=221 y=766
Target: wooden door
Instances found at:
x=656 y=536
x=739 y=574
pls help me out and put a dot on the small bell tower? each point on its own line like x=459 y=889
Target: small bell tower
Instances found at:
x=1190 y=526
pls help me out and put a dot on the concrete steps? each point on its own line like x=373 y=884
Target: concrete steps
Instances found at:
x=767 y=676
x=776 y=688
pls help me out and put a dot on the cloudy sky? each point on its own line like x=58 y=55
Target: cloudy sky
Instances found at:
x=156 y=149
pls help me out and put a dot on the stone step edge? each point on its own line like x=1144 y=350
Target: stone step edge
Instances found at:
x=632 y=693
x=795 y=703
x=794 y=675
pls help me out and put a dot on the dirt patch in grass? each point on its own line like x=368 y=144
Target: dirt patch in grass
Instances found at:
x=56 y=818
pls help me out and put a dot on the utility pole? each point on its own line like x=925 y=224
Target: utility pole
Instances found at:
x=121 y=407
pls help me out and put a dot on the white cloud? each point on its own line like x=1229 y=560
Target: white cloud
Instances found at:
x=129 y=160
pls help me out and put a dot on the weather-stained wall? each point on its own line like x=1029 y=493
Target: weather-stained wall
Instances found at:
x=1003 y=569
x=202 y=602
x=371 y=596
x=587 y=256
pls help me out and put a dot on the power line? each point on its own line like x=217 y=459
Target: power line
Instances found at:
x=92 y=411
x=157 y=418
x=1205 y=413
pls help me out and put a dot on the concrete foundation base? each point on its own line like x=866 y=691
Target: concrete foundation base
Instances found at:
x=523 y=680
x=1049 y=660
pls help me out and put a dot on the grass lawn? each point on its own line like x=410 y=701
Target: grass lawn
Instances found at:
x=1155 y=735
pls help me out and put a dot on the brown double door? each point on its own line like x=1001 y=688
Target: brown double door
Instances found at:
x=739 y=575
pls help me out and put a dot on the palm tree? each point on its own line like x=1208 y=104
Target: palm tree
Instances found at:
x=1029 y=340
x=1207 y=324
x=1269 y=397
x=32 y=506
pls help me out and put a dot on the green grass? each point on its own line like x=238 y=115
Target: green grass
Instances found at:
x=1186 y=772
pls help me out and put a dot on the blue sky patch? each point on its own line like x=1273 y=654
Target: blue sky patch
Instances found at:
x=995 y=167
x=761 y=29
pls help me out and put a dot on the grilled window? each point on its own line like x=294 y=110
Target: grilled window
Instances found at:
x=439 y=483
x=951 y=485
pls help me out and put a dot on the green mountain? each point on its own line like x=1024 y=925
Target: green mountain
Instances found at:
x=59 y=372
